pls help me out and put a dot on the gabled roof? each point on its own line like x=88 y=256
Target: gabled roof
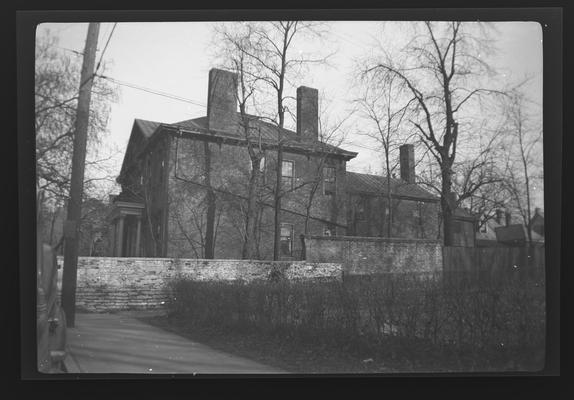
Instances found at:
x=377 y=185
x=141 y=133
x=147 y=128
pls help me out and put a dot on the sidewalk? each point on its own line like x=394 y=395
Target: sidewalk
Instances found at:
x=119 y=343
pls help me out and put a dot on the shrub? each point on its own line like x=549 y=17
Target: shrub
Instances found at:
x=478 y=322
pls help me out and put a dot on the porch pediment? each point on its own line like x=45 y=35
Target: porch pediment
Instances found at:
x=125 y=208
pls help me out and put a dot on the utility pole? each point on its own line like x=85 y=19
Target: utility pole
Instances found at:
x=71 y=227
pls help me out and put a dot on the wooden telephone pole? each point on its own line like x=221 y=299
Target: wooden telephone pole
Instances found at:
x=71 y=227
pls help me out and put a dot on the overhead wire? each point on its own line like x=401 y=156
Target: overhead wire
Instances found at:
x=152 y=91
x=101 y=57
x=105 y=47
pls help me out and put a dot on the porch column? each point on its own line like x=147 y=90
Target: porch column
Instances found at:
x=120 y=235
x=112 y=243
x=138 y=235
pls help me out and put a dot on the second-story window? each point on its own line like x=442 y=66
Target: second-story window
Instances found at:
x=329 y=181
x=261 y=164
x=288 y=173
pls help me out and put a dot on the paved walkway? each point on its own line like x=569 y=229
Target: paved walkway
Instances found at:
x=119 y=343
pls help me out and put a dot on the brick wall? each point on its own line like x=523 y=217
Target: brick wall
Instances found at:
x=367 y=255
x=411 y=219
x=230 y=174
x=110 y=283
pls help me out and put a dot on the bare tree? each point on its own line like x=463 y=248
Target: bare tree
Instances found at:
x=266 y=48
x=56 y=94
x=386 y=112
x=441 y=69
x=523 y=150
x=332 y=132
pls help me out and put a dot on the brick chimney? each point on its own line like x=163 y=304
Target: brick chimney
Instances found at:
x=507 y=217
x=407 y=162
x=307 y=113
x=221 y=99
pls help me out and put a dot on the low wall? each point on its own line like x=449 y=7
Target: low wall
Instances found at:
x=368 y=255
x=120 y=283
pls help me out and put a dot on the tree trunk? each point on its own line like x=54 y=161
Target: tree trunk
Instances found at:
x=389 y=200
x=250 y=244
x=210 y=197
x=446 y=207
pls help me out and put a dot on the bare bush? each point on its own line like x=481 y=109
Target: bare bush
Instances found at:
x=482 y=324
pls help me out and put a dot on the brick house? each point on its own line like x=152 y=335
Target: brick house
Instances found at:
x=173 y=175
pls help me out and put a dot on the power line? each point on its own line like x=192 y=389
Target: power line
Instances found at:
x=79 y=53
x=152 y=91
x=101 y=57
x=105 y=47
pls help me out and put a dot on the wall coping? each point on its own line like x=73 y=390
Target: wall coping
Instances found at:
x=202 y=260
x=373 y=239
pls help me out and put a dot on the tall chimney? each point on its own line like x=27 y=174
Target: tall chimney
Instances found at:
x=307 y=113
x=407 y=162
x=507 y=217
x=221 y=99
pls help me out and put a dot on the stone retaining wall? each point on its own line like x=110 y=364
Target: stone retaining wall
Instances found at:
x=120 y=283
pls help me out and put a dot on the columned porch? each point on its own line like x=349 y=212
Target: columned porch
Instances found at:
x=126 y=221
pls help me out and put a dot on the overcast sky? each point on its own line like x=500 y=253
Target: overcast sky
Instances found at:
x=172 y=57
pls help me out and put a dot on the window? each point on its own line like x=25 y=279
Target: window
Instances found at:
x=418 y=211
x=481 y=228
x=161 y=172
x=287 y=174
x=329 y=230
x=360 y=209
x=328 y=181
x=286 y=239
x=261 y=164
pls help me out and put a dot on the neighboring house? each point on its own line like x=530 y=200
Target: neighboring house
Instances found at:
x=486 y=232
x=500 y=231
x=463 y=226
x=175 y=176
x=93 y=233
